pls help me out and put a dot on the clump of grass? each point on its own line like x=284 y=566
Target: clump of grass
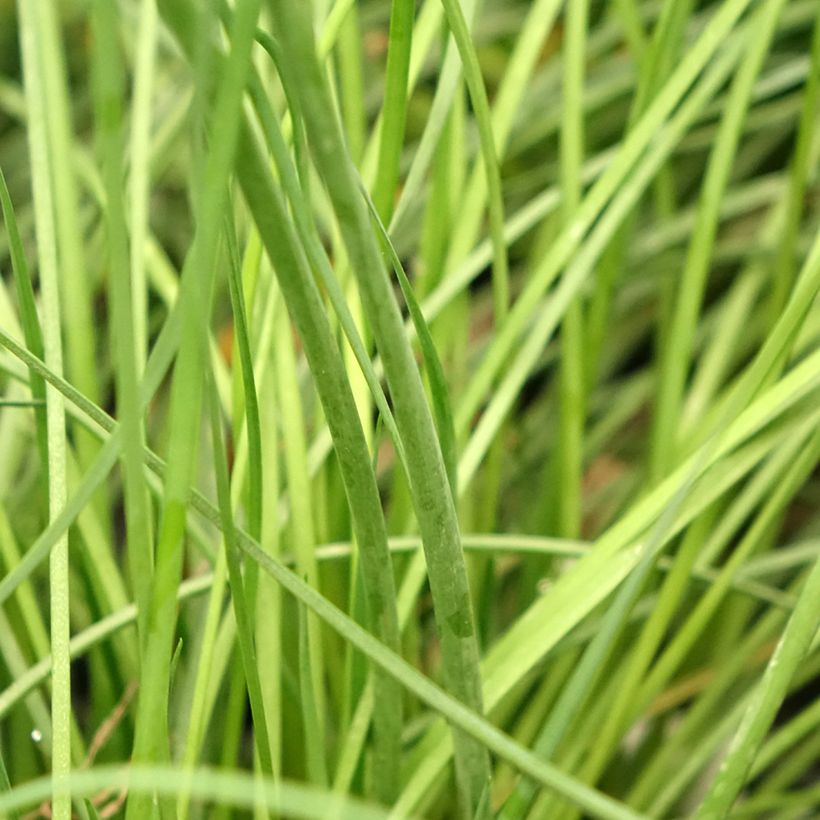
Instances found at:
x=409 y=409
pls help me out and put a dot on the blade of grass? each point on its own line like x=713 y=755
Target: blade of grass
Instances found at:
x=351 y=80
x=139 y=150
x=58 y=526
x=76 y=309
x=28 y=314
x=572 y=401
x=108 y=91
x=533 y=31
x=674 y=653
x=562 y=601
x=435 y=372
x=151 y=736
x=269 y=598
x=36 y=631
x=394 y=110
x=36 y=705
x=616 y=418
x=790 y=390
x=31 y=23
x=432 y=500
x=457 y=23
x=314 y=734
x=251 y=402
x=204 y=675
x=361 y=494
x=304 y=302
x=242 y=604
x=765 y=702
x=519 y=544
x=786 y=736
x=448 y=84
x=231 y=788
x=580 y=684
x=315 y=253
x=301 y=530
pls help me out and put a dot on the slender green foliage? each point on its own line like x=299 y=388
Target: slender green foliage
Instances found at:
x=437 y=428
x=32 y=21
x=108 y=99
x=150 y=744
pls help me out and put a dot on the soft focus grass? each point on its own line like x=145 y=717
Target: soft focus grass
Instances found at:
x=409 y=409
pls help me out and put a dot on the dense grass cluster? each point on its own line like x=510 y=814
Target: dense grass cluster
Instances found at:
x=409 y=409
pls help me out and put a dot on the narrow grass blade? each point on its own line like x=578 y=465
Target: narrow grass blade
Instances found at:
x=432 y=499
x=394 y=111
x=231 y=788
x=108 y=96
x=572 y=402
x=478 y=96
x=139 y=183
x=315 y=253
x=251 y=402
x=239 y=594
x=32 y=22
x=301 y=529
x=314 y=736
x=766 y=700
x=531 y=40
x=76 y=313
x=435 y=372
x=205 y=675
x=28 y=315
x=151 y=738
